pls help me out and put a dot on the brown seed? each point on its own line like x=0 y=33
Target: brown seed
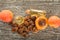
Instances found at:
x=26 y=29
x=35 y=29
x=26 y=23
x=20 y=26
x=33 y=18
x=14 y=25
x=30 y=28
x=14 y=29
x=25 y=34
x=20 y=30
x=31 y=22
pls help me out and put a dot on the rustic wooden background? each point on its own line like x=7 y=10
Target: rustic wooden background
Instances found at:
x=18 y=7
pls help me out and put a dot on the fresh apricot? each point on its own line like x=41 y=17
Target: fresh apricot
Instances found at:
x=6 y=16
x=54 y=21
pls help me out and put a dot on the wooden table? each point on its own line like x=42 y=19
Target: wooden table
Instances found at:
x=18 y=7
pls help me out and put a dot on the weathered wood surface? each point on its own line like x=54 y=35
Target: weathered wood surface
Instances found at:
x=18 y=7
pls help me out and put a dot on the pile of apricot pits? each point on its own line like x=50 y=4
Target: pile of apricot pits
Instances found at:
x=34 y=21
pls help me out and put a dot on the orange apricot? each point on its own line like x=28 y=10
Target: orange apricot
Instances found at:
x=6 y=16
x=54 y=21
